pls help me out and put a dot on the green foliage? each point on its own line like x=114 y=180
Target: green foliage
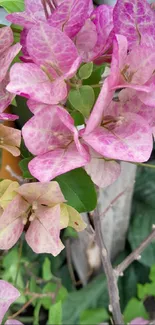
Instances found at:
x=55 y=314
x=147 y=289
x=134 y=308
x=46 y=270
x=23 y=164
x=85 y=70
x=78 y=190
x=94 y=316
x=12 y=5
x=143 y=216
x=95 y=78
x=82 y=99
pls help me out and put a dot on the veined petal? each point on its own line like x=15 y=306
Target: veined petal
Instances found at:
x=7 y=58
x=6 y=38
x=48 y=166
x=43 y=235
x=8 y=294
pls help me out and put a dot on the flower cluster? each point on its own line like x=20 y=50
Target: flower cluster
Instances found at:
x=58 y=37
x=40 y=211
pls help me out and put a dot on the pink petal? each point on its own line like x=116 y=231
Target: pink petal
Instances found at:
x=136 y=20
x=33 y=14
x=46 y=131
x=91 y=7
x=102 y=17
x=8 y=294
x=5 y=97
x=11 y=138
x=70 y=16
x=6 y=38
x=130 y=141
x=148 y=98
x=85 y=41
x=48 y=166
x=103 y=100
x=47 y=193
x=23 y=37
x=11 y=225
x=8 y=117
x=50 y=47
x=141 y=64
x=28 y=80
x=13 y=322
x=43 y=235
x=7 y=58
x=139 y=321
x=36 y=107
x=102 y=172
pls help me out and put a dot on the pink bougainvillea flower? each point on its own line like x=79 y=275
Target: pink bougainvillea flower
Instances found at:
x=33 y=14
x=102 y=172
x=119 y=134
x=10 y=139
x=133 y=69
x=135 y=19
x=7 y=54
x=70 y=16
x=55 y=60
x=39 y=207
x=94 y=44
x=40 y=204
x=7 y=192
x=51 y=135
x=139 y=321
x=8 y=294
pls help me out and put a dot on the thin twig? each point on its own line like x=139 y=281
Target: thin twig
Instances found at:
x=110 y=274
x=22 y=309
x=34 y=295
x=135 y=255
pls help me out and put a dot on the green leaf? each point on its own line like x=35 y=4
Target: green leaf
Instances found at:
x=36 y=313
x=61 y=295
x=55 y=314
x=23 y=164
x=134 y=308
x=95 y=78
x=93 y=316
x=78 y=118
x=140 y=227
x=86 y=70
x=12 y=5
x=94 y=295
x=146 y=290
x=82 y=99
x=46 y=270
x=145 y=185
x=78 y=190
x=152 y=273
x=70 y=233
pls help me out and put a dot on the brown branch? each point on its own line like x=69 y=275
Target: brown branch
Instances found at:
x=110 y=274
x=135 y=255
x=34 y=295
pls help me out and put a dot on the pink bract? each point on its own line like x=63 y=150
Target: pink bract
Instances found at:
x=55 y=60
x=70 y=16
x=33 y=14
x=40 y=205
x=55 y=142
x=135 y=19
x=8 y=294
x=102 y=172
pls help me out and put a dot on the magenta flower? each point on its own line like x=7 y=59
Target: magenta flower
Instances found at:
x=55 y=60
x=53 y=138
x=8 y=294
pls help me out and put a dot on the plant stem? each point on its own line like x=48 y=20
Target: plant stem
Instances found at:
x=22 y=309
x=144 y=165
x=135 y=254
x=110 y=274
